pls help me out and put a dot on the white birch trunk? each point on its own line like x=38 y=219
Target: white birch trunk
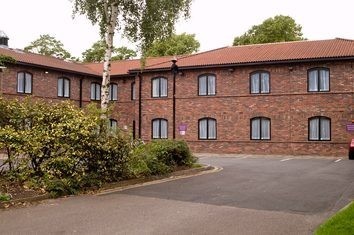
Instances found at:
x=112 y=14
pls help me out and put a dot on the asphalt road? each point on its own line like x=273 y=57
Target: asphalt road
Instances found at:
x=249 y=196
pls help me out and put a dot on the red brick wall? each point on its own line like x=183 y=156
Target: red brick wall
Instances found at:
x=288 y=105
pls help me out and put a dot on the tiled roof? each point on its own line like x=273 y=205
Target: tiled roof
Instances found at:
x=45 y=61
x=271 y=52
x=237 y=55
x=122 y=67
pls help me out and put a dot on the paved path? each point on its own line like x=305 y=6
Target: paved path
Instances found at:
x=249 y=196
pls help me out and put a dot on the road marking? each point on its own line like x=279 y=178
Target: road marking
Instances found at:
x=286 y=159
x=338 y=160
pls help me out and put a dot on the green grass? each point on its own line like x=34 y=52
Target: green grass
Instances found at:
x=341 y=223
x=4 y=197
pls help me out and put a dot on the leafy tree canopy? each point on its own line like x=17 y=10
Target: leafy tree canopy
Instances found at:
x=278 y=29
x=181 y=44
x=48 y=45
x=143 y=21
x=97 y=51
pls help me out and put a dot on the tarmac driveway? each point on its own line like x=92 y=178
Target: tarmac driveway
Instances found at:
x=287 y=184
x=251 y=195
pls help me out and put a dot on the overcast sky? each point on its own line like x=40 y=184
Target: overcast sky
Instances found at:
x=215 y=23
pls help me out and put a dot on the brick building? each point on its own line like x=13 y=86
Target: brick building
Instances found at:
x=280 y=98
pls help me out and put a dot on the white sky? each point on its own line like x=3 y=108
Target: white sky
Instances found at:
x=215 y=23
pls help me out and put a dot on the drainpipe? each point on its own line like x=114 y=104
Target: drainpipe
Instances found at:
x=140 y=106
x=80 y=91
x=174 y=69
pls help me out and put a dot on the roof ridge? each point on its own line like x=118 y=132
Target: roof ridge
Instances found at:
x=289 y=42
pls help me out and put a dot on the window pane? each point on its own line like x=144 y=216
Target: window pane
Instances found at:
x=163 y=129
x=256 y=129
x=212 y=129
x=313 y=80
x=66 y=87
x=314 y=126
x=113 y=91
x=60 y=87
x=93 y=91
x=156 y=129
x=265 y=129
x=98 y=92
x=202 y=85
x=163 y=84
x=324 y=80
x=20 y=82
x=325 y=129
x=133 y=91
x=28 y=83
x=211 y=85
x=265 y=83
x=255 y=83
x=155 y=88
x=113 y=124
x=203 y=129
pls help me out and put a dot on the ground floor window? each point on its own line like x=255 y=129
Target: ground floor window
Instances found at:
x=207 y=129
x=319 y=128
x=260 y=128
x=159 y=128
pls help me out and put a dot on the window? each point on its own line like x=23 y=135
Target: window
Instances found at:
x=159 y=128
x=159 y=87
x=113 y=91
x=133 y=97
x=319 y=128
x=260 y=82
x=260 y=128
x=113 y=124
x=318 y=79
x=207 y=129
x=64 y=87
x=95 y=91
x=24 y=82
x=207 y=84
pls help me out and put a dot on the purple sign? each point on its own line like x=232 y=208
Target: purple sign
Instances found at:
x=350 y=127
x=182 y=127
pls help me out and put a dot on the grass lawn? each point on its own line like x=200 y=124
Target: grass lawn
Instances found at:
x=341 y=223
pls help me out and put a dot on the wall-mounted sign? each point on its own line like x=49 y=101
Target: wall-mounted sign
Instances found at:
x=350 y=127
x=182 y=128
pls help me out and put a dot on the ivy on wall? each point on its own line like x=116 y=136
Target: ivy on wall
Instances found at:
x=6 y=59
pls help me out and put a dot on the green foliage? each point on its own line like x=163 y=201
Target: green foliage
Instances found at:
x=97 y=51
x=278 y=29
x=4 y=197
x=341 y=223
x=139 y=20
x=181 y=44
x=63 y=149
x=160 y=157
x=48 y=45
x=6 y=59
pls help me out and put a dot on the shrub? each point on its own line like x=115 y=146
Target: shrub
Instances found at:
x=160 y=157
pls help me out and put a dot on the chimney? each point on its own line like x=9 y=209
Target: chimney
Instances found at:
x=4 y=39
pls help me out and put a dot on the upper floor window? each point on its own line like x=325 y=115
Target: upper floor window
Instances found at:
x=95 y=91
x=64 y=87
x=260 y=82
x=207 y=128
x=24 y=82
x=260 y=128
x=113 y=91
x=207 y=84
x=159 y=87
x=133 y=95
x=318 y=79
x=319 y=128
x=159 y=128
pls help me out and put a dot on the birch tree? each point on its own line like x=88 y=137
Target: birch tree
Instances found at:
x=141 y=21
